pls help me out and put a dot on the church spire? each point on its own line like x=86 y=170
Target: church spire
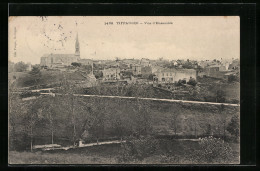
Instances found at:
x=77 y=49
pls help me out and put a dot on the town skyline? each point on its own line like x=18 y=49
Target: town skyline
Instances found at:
x=215 y=37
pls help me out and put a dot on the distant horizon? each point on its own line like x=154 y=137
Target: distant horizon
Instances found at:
x=139 y=59
x=194 y=38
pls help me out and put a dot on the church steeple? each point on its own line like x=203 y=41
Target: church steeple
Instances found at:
x=77 y=49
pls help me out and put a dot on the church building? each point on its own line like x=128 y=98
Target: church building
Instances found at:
x=61 y=60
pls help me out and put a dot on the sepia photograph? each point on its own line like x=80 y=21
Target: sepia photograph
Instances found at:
x=124 y=90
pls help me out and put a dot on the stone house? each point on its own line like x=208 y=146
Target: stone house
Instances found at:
x=137 y=69
x=111 y=74
x=174 y=75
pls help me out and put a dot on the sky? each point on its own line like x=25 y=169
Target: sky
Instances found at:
x=180 y=37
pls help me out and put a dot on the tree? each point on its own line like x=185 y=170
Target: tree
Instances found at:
x=192 y=82
x=233 y=78
x=233 y=126
x=187 y=65
x=181 y=82
x=87 y=68
x=76 y=64
x=50 y=115
x=98 y=74
x=220 y=96
x=194 y=120
x=16 y=113
x=223 y=119
x=127 y=73
x=36 y=74
x=68 y=102
x=32 y=118
x=174 y=119
x=150 y=77
x=20 y=67
x=141 y=117
x=208 y=131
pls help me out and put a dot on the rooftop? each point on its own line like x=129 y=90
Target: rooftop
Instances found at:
x=176 y=70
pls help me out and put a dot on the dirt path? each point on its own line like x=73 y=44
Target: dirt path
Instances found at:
x=152 y=99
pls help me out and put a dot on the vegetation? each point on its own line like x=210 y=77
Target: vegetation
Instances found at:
x=163 y=151
x=233 y=78
x=137 y=149
x=233 y=126
x=20 y=67
x=98 y=74
x=68 y=117
x=220 y=96
x=150 y=77
x=139 y=122
x=76 y=64
x=192 y=82
x=212 y=150
x=35 y=74
x=181 y=82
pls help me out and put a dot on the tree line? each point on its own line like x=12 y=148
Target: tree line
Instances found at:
x=94 y=119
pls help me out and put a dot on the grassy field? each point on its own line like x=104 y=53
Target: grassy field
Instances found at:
x=24 y=79
x=231 y=90
x=191 y=119
x=128 y=116
x=169 y=152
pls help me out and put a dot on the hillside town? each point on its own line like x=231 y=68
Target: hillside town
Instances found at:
x=140 y=70
x=172 y=76
x=89 y=103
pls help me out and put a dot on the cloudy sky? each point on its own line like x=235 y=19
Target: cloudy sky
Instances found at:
x=198 y=38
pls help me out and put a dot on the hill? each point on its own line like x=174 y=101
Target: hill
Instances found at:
x=24 y=79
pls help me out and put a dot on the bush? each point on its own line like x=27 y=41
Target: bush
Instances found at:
x=76 y=64
x=98 y=74
x=233 y=126
x=208 y=131
x=20 y=67
x=181 y=82
x=233 y=78
x=29 y=94
x=220 y=96
x=212 y=150
x=137 y=149
x=192 y=82
x=150 y=77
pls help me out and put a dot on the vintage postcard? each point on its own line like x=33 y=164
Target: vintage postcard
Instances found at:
x=124 y=90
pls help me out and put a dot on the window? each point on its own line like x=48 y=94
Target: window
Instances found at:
x=163 y=79
x=171 y=79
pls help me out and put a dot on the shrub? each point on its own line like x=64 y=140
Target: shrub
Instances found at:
x=181 y=82
x=233 y=78
x=76 y=64
x=169 y=158
x=20 y=67
x=220 y=96
x=233 y=126
x=29 y=94
x=192 y=82
x=212 y=150
x=208 y=131
x=137 y=149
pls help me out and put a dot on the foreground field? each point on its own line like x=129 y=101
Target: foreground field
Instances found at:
x=168 y=152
